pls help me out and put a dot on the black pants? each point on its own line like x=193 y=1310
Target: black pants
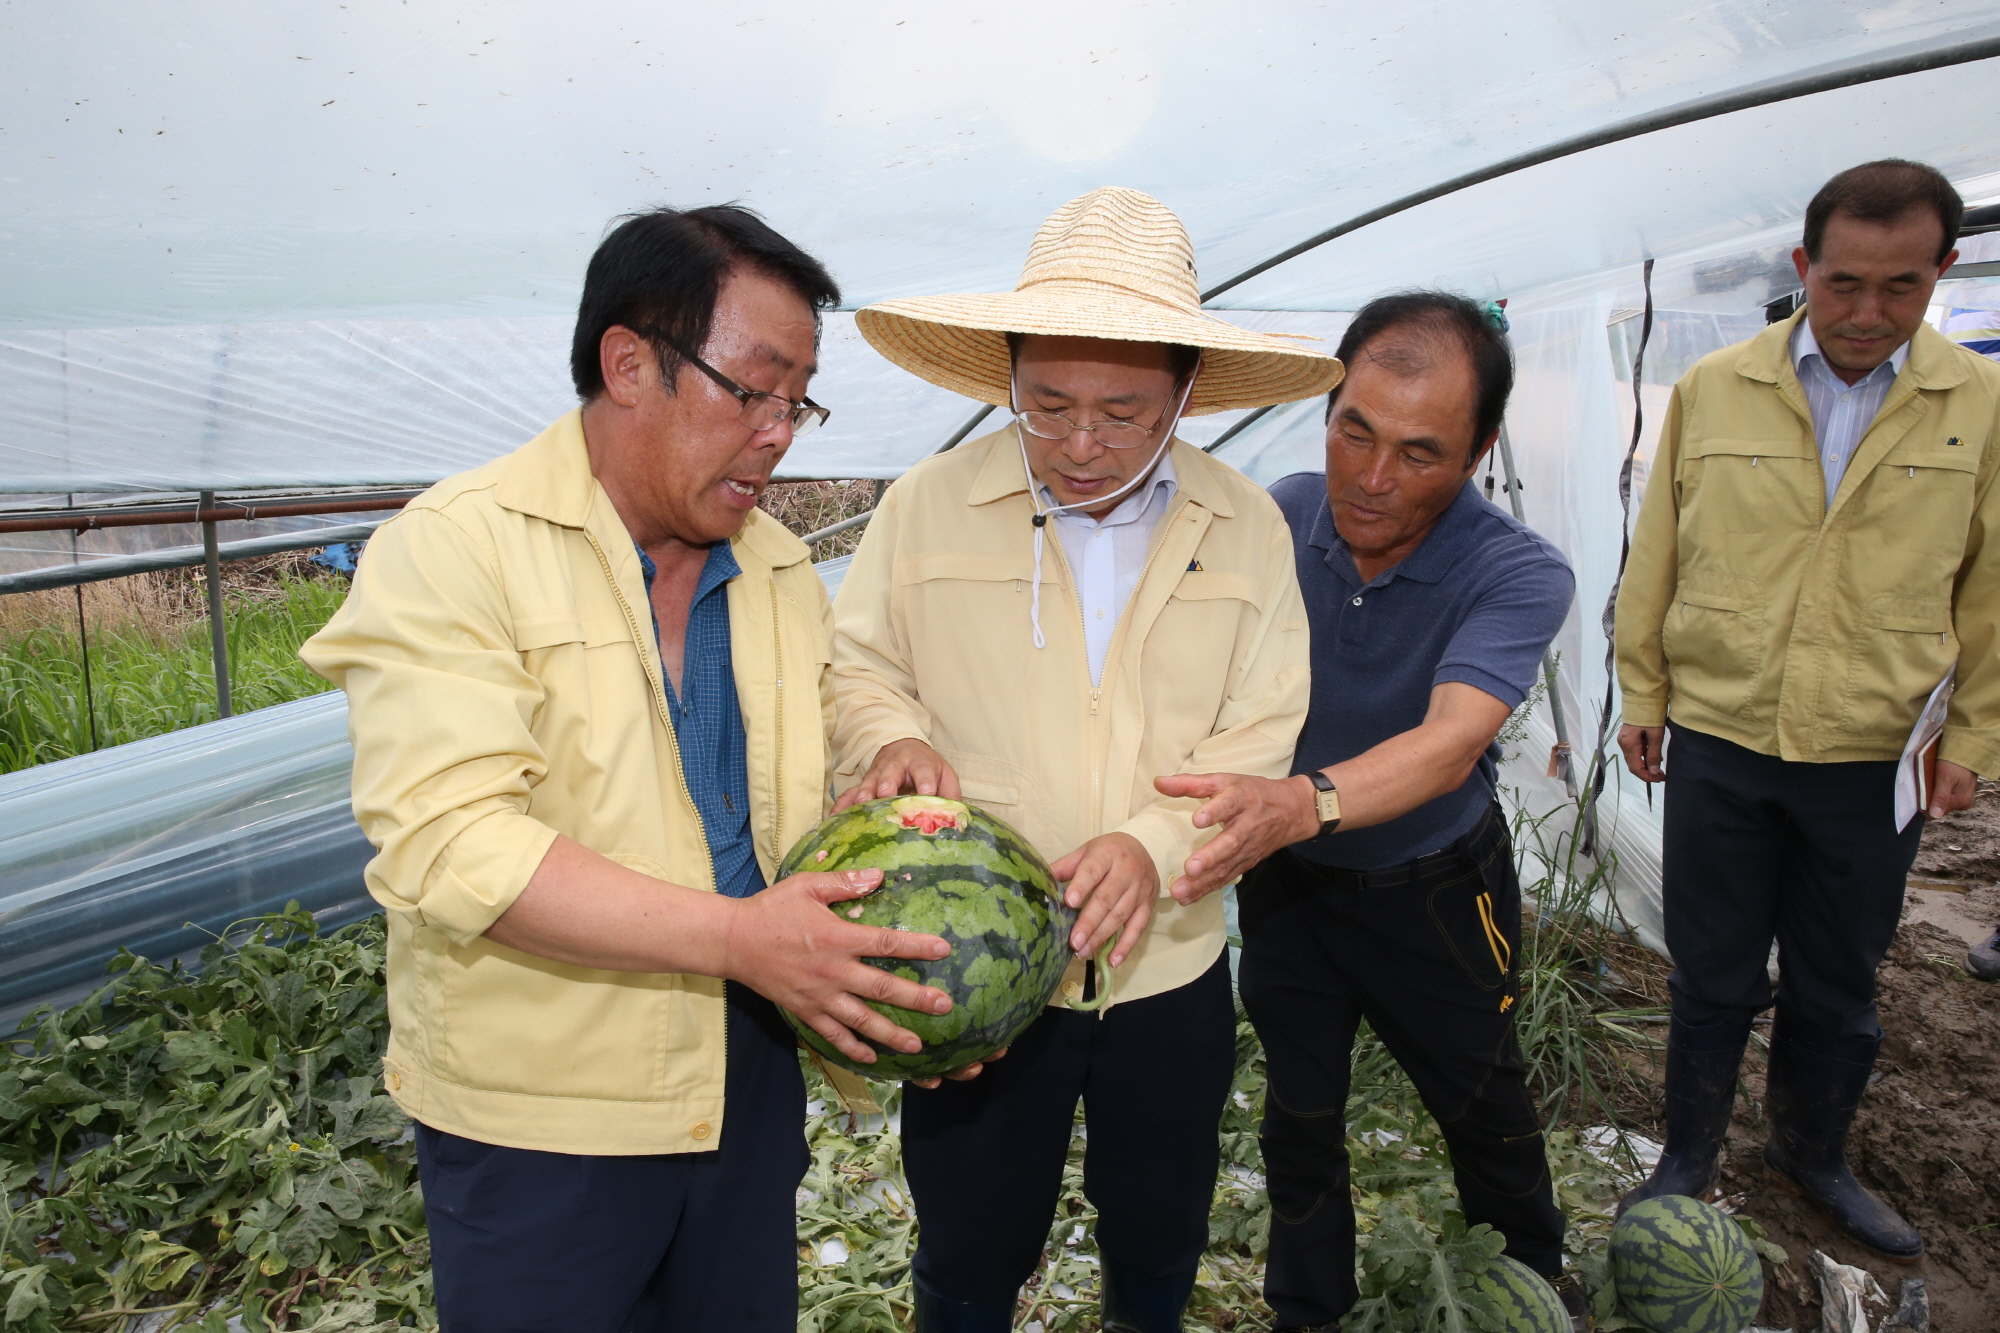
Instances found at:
x=549 y=1242
x=1758 y=849
x=985 y=1157
x=1426 y=954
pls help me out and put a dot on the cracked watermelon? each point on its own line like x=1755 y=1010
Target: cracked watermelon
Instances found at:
x=1681 y=1266
x=1526 y=1303
x=952 y=870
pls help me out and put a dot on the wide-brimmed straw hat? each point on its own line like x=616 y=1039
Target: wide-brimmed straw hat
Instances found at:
x=1113 y=263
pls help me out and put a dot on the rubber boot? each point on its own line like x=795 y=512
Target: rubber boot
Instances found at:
x=1816 y=1082
x=1134 y=1303
x=1701 y=1090
x=1983 y=960
x=941 y=1314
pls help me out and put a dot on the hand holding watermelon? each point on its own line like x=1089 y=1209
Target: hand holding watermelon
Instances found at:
x=902 y=767
x=948 y=869
x=788 y=947
x=1111 y=884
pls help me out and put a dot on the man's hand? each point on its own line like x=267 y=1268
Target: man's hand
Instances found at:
x=788 y=947
x=1113 y=879
x=901 y=767
x=1954 y=789
x=963 y=1072
x=1643 y=748
x=1257 y=815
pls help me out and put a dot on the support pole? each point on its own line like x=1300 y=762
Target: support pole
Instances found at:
x=218 y=630
x=1565 y=766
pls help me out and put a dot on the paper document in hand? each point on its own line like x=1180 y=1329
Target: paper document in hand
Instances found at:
x=1916 y=772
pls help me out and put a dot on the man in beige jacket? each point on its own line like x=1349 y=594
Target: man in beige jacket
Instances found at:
x=1043 y=621
x=590 y=711
x=1810 y=562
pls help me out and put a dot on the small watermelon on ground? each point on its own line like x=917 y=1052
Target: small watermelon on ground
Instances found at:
x=1683 y=1267
x=1523 y=1297
x=953 y=870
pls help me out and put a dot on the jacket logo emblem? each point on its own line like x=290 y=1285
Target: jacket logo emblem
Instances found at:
x=1194 y=566
x=1953 y=440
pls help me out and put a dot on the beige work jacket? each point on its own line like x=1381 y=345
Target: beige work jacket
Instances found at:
x=1207 y=670
x=504 y=686
x=1753 y=611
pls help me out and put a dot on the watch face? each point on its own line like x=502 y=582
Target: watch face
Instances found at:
x=1329 y=806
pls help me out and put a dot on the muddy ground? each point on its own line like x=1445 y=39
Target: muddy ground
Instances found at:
x=1927 y=1138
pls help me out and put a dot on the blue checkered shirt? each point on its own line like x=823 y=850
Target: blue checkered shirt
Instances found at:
x=708 y=724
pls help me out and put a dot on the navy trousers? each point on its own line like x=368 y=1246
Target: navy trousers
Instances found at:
x=543 y=1242
x=1759 y=849
x=985 y=1157
x=1427 y=953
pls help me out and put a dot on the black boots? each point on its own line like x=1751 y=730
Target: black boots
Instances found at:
x=1701 y=1089
x=1983 y=960
x=1816 y=1083
x=941 y=1314
x=1134 y=1303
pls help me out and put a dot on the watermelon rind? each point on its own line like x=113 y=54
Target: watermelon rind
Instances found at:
x=1524 y=1299
x=1681 y=1266
x=954 y=870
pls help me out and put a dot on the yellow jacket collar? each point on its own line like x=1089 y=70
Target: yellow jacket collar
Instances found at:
x=1935 y=361
x=1002 y=475
x=550 y=478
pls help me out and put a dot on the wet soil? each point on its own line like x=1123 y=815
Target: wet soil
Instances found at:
x=1927 y=1138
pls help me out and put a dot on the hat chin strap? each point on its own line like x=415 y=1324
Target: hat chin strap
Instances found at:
x=1041 y=519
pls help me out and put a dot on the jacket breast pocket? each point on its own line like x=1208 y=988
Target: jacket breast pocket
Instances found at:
x=1714 y=646
x=1737 y=487
x=1907 y=536
x=563 y=627
x=1193 y=646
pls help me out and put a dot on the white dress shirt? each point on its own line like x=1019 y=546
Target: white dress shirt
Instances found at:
x=1105 y=557
x=1841 y=412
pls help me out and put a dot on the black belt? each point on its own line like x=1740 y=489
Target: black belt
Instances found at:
x=1471 y=847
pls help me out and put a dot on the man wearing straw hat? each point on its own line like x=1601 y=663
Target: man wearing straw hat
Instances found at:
x=1041 y=621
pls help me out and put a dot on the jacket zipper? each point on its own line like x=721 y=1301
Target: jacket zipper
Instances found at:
x=777 y=766
x=1097 y=691
x=674 y=746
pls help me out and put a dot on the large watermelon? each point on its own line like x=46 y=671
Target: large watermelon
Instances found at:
x=948 y=869
x=1527 y=1303
x=1684 y=1267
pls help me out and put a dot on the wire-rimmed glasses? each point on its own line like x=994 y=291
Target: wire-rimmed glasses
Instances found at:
x=760 y=411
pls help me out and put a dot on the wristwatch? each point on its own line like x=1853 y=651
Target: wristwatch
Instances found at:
x=1326 y=798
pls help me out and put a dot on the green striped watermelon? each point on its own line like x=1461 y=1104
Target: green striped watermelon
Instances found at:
x=948 y=869
x=1525 y=1300
x=1684 y=1267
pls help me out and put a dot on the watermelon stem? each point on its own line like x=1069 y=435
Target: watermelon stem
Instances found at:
x=1103 y=979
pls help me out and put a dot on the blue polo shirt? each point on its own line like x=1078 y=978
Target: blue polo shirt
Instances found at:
x=708 y=724
x=1478 y=601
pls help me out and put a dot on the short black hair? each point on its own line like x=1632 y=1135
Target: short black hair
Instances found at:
x=1181 y=359
x=658 y=273
x=1882 y=192
x=1433 y=317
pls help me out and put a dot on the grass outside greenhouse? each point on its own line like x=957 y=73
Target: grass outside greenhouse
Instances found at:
x=211 y=1148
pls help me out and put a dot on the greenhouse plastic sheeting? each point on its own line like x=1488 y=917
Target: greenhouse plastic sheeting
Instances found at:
x=354 y=236
x=374 y=402
x=159 y=845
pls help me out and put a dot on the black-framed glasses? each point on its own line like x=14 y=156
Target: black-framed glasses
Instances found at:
x=760 y=411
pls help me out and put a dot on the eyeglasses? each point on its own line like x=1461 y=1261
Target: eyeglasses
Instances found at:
x=1110 y=434
x=759 y=411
